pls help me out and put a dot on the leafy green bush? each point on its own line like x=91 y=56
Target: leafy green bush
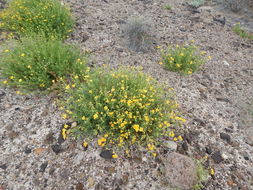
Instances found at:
x=238 y=30
x=184 y=59
x=197 y=3
x=37 y=16
x=138 y=34
x=122 y=107
x=35 y=63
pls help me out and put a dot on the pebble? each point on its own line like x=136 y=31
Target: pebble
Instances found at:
x=106 y=154
x=79 y=186
x=56 y=148
x=3 y=166
x=225 y=137
x=171 y=145
x=224 y=156
x=43 y=167
x=217 y=157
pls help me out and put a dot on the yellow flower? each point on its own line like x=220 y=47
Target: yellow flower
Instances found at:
x=29 y=66
x=67 y=87
x=22 y=54
x=154 y=154
x=85 y=144
x=203 y=53
x=5 y=82
x=83 y=118
x=171 y=134
x=42 y=85
x=141 y=129
x=180 y=138
x=136 y=127
x=151 y=147
x=175 y=138
x=178 y=65
x=64 y=116
x=211 y=171
x=95 y=116
x=160 y=63
x=189 y=72
x=12 y=77
x=181 y=54
x=101 y=142
x=64 y=134
x=6 y=51
x=115 y=156
x=20 y=80
x=105 y=108
x=209 y=57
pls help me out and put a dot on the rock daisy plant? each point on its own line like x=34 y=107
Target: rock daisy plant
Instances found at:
x=33 y=63
x=121 y=107
x=37 y=16
x=184 y=59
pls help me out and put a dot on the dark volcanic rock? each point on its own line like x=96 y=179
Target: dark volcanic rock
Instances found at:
x=217 y=157
x=106 y=154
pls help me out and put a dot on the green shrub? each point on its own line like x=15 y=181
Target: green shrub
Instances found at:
x=238 y=30
x=35 y=63
x=184 y=59
x=37 y=16
x=138 y=34
x=167 y=7
x=122 y=107
x=197 y=3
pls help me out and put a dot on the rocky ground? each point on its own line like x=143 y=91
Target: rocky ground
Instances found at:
x=216 y=101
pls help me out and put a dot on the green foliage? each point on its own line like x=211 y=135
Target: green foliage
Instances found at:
x=167 y=7
x=184 y=59
x=35 y=63
x=202 y=174
x=238 y=30
x=138 y=34
x=197 y=3
x=37 y=16
x=122 y=107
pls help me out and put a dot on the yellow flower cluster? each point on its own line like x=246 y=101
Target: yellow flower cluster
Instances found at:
x=125 y=107
x=184 y=59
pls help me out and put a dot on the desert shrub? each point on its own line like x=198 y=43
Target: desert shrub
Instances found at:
x=197 y=3
x=183 y=59
x=122 y=107
x=35 y=63
x=244 y=34
x=37 y=16
x=138 y=34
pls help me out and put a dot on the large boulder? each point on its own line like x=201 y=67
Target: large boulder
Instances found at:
x=180 y=171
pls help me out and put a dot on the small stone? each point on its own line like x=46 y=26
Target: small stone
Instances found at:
x=56 y=148
x=79 y=186
x=180 y=171
x=74 y=124
x=28 y=150
x=225 y=137
x=91 y=182
x=185 y=146
x=224 y=156
x=43 y=167
x=111 y=170
x=39 y=151
x=225 y=63
x=12 y=135
x=106 y=154
x=44 y=113
x=3 y=166
x=171 y=145
x=209 y=150
x=49 y=138
x=217 y=157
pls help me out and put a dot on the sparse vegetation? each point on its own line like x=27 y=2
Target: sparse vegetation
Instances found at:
x=48 y=17
x=241 y=32
x=183 y=59
x=122 y=107
x=197 y=3
x=167 y=7
x=35 y=63
x=138 y=34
